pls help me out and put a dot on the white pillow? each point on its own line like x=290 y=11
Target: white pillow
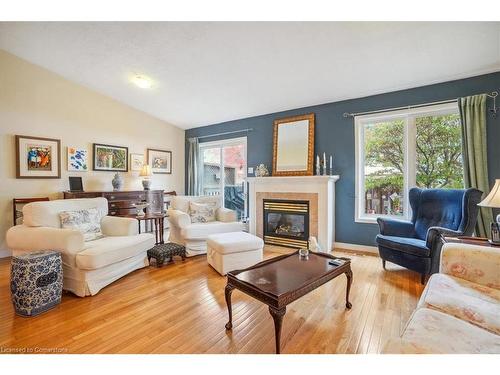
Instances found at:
x=202 y=212
x=86 y=221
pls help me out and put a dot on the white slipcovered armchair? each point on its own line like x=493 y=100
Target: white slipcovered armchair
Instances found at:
x=194 y=235
x=87 y=266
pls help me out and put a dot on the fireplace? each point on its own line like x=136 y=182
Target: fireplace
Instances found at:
x=286 y=222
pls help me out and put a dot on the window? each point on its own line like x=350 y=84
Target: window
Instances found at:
x=398 y=150
x=223 y=171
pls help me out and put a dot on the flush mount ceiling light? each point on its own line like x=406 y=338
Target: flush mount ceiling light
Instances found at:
x=142 y=81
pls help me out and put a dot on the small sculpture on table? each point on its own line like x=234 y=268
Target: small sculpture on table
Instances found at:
x=261 y=171
x=140 y=208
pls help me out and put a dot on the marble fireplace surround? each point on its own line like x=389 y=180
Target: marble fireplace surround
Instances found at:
x=319 y=191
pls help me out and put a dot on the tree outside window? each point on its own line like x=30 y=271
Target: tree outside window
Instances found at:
x=433 y=152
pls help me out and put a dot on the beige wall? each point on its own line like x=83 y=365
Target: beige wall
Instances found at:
x=34 y=101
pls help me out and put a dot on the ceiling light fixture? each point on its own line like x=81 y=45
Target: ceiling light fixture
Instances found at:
x=142 y=81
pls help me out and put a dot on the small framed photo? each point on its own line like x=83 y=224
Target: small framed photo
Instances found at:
x=38 y=157
x=110 y=158
x=77 y=159
x=160 y=161
x=136 y=162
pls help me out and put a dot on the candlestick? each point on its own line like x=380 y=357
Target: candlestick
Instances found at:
x=324 y=163
x=331 y=165
x=318 y=168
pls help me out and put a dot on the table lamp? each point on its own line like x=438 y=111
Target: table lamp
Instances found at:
x=493 y=201
x=146 y=173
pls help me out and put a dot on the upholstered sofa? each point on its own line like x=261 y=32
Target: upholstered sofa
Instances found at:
x=194 y=235
x=415 y=244
x=459 y=310
x=88 y=266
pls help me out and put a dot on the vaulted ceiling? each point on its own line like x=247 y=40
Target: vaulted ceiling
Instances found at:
x=210 y=72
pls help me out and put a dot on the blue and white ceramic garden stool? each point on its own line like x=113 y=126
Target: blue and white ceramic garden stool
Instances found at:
x=36 y=282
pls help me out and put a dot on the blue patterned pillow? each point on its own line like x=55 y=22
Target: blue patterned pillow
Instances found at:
x=201 y=212
x=86 y=221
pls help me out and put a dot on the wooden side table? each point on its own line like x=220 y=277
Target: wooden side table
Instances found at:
x=157 y=219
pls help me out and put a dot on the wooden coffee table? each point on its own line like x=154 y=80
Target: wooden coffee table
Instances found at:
x=284 y=279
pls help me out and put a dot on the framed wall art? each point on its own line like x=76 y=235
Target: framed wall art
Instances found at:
x=136 y=162
x=110 y=158
x=38 y=157
x=77 y=159
x=160 y=161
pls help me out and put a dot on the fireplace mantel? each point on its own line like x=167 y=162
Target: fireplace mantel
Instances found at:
x=293 y=179
x=319 y=190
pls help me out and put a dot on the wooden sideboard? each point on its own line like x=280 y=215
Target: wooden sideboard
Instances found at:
x=121 y=203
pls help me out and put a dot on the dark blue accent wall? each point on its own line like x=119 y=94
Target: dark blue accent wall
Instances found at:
x=335 y=135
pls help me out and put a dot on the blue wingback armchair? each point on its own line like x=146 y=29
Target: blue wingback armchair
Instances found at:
x=415 y=244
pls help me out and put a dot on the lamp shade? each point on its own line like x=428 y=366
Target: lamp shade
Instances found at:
x=493 y=198
x=146 y=171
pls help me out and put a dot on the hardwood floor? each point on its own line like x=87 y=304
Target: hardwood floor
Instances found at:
x=180 y=308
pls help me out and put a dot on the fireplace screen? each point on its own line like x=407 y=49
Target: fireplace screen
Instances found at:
x=286 y=223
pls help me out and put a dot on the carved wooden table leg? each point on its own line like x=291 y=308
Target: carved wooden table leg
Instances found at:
x=162 y=224
x=228 y=290
x=278 y=319
x=349 y=282
x=156 y=231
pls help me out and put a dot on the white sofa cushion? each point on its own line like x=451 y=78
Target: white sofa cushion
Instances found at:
x=181 y=202
x=119 y=226
x=201 y=231
x=234 y=242
x=110 y=250
x=475 y=303
x=46 y=214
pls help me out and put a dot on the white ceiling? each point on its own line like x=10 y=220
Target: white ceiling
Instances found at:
x=209 y=72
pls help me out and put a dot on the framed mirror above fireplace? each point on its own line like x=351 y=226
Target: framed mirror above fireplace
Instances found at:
x=293 y=151
x=286 y=222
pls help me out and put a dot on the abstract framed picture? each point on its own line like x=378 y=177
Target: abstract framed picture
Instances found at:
x=77 y=159
x=136 y=162
x=110 y=158
x=38 y=157
x=160 y=161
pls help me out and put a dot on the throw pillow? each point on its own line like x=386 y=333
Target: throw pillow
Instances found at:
x=201 y=212
x=86 y=221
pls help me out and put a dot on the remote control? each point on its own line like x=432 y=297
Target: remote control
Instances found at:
x=335 y=262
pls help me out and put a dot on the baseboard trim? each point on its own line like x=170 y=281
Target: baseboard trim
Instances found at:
x=355 y=247
x=5 y=253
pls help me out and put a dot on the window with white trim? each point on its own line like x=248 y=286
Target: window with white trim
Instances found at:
x=398 y=150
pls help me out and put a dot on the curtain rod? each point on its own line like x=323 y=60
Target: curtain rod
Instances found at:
x=494 y=94
x=346 y=114
x=224 y=133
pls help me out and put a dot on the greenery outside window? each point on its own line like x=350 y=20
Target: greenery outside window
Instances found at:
x=398 y=150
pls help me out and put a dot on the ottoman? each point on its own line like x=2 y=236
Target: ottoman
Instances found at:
x=234 y=250
x=36 y=282
x=166 y=250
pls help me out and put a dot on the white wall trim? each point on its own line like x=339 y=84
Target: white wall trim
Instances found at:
x=4 y=253
x=355 y=247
